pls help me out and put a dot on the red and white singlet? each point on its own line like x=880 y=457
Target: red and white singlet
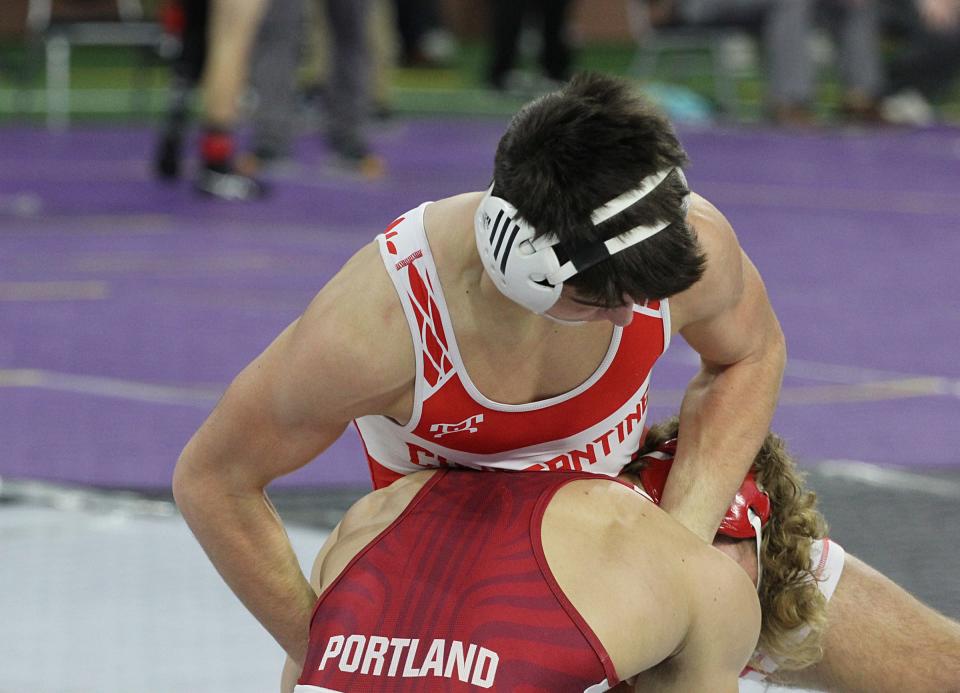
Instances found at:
x=595 y=427
x=456 y=595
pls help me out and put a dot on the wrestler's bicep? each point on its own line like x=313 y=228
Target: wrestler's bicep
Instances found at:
x=742 y=328
x=350 y=354
x=726 y=316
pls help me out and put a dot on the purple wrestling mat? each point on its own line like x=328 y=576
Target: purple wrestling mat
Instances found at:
x=126 y=305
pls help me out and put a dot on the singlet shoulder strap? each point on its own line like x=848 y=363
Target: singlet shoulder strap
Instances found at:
x=410 y=265
x=536 y=540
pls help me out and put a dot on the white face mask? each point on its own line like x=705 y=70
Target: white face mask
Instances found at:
x=526 y=268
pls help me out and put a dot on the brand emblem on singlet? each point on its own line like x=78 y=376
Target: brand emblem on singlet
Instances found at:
x=408 y=260
x=468 y=425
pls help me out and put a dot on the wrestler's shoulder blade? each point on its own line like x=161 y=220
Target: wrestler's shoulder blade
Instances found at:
x=362 y=522
x=619 y=558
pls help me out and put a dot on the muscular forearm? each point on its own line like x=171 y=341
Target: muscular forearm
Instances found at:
x=245 y=540
x=724 y=418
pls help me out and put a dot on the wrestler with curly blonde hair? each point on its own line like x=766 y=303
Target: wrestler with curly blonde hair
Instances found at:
x=816 y=632
x=792 y=551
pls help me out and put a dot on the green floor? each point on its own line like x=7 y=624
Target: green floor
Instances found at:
x=130 y=85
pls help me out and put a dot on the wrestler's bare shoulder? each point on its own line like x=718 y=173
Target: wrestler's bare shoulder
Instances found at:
x=624 y=564
x=612 y=519
x=365 y=519
x=383 y=506
x=452 y=210
x=448 y=224
x=721 y=283
x=355 y=329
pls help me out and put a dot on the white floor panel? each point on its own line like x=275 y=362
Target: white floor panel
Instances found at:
x=108 y=603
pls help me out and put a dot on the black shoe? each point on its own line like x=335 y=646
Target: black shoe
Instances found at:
x=166 y=162
x=226 y=184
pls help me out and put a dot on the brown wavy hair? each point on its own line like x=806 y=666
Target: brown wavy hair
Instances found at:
x=789 y=597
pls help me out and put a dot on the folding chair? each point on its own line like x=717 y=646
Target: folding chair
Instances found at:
x=63 y=24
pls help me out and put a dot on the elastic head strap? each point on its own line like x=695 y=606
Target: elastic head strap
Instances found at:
x=758 y=530
x=585 y=258
x=621 y=202
x=598 y=253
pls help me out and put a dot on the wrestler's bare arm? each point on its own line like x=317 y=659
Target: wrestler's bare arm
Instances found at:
x=727 y=318
x=279 y=413
x=291 y=669
x=880 y=639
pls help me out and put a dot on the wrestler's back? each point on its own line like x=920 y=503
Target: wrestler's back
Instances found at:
x=624 y=565
x=461 y=570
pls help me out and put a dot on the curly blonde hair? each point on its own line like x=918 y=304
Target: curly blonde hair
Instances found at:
x=794 y=609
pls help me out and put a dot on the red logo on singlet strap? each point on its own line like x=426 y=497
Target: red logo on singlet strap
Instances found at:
x=390 y=233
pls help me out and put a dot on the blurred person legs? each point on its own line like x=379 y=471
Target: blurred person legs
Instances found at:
x=556 y=55
x=348 y=87
x=383 y=49
x=314 y=72
x=273 y=78
x=926 y=58
x=423 y=40
x=507 y=22
x=187 y=25
x=784 y=27
x=233 y=28
x=855 y=25
x=277 y=55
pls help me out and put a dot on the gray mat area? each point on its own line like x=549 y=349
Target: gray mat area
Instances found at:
x=903 y=524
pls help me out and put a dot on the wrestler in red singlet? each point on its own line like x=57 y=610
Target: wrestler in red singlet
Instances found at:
x=596 y=427
x=456 y=595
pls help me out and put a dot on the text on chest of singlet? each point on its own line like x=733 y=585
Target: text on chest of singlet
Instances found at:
x=577 y=459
